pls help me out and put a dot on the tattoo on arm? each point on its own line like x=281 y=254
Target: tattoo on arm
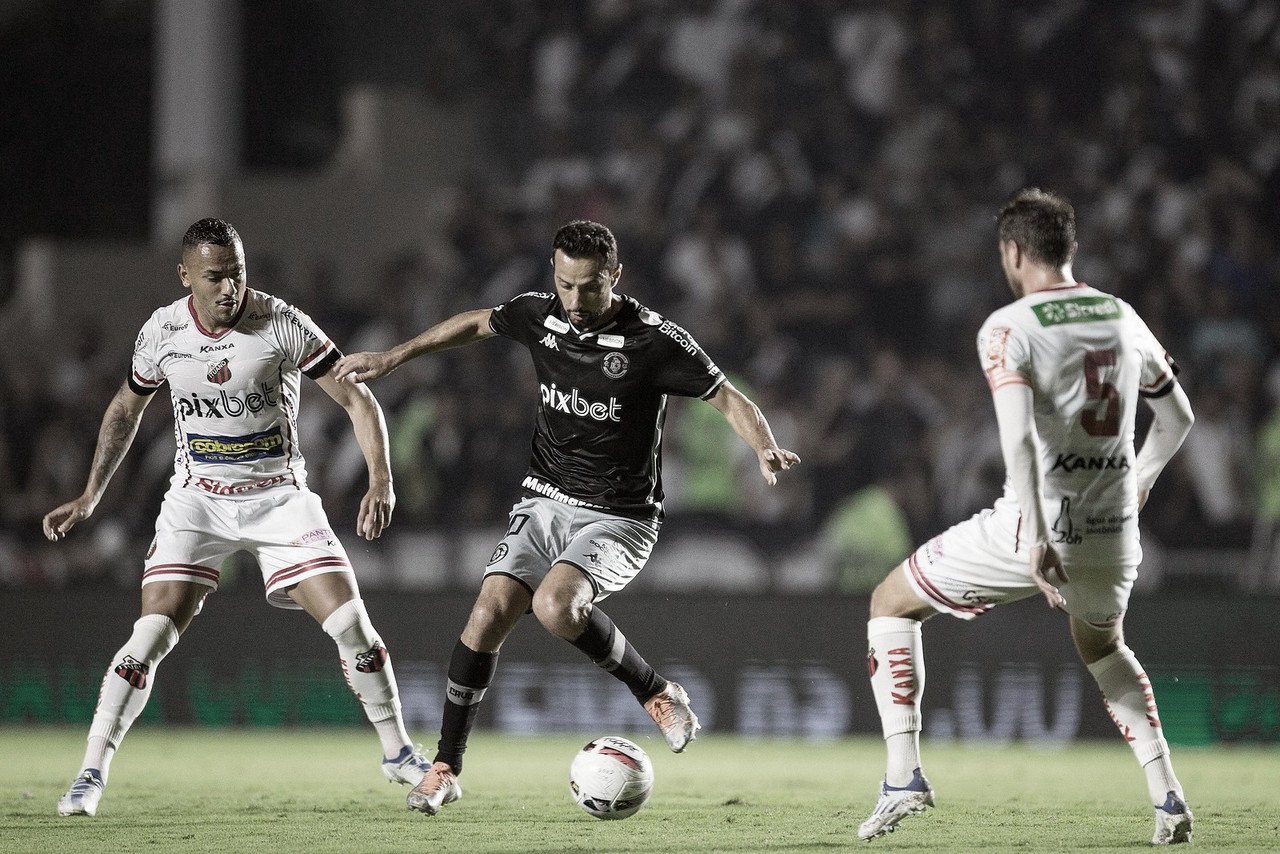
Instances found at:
x=119 y=426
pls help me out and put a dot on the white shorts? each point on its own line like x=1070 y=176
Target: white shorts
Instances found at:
x=609 y=550
x=983 y=562
x=287 y=532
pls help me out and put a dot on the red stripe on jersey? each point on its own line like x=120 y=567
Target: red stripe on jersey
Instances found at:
x=191 y=307
x=1164 y=378
x=324 y=348
x=144 y=381
x=935 y=593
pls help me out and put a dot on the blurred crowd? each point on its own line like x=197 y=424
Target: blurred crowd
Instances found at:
x=809 y=189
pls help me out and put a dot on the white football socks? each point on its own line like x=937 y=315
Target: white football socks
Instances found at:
x=1131 y=704
x=895 y=661
x=126 y=687
x=367 y=667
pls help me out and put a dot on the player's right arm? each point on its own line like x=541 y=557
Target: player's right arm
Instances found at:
x=1171 y=424
x=119 y=426
x=461 y=329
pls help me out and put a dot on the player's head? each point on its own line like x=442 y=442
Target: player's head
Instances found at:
x=1036 y=228
x=213 y=268
x=584 y=265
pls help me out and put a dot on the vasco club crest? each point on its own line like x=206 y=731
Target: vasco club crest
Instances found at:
x=614 y=365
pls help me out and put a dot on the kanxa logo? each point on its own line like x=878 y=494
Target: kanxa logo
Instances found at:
x=213 y=348
x=227 y=405
x=373 y=660
x=572 y=403
x=1076 y=462
x=133 y=671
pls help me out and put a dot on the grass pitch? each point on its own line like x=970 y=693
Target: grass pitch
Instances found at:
x=321 y=791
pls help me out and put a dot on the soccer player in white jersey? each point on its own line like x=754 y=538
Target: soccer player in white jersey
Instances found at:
x=591 y=501
x=233 y=358
x=1066 y=364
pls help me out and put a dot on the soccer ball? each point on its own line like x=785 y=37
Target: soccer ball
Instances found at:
x=611 y=778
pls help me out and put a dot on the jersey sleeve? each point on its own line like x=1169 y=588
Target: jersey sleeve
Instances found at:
x=303 y=342
x=1158 y=367
x=519 y=316
x=1004 y=352
x=144 y=372
x=683 y=367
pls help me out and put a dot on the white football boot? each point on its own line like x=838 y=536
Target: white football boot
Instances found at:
x=895 y=804
x=408 y=768
x=439 y=787
x=83 y=796
x=670 y=710
x=1173 y=822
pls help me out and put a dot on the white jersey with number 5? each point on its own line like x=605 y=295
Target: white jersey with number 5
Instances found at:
x=1087 y=357
x=235 y=393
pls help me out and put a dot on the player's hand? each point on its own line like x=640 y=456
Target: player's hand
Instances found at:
x=362 y=367
x=375 y=511
x=1048 y=573
x=58 y=521
x=774 y=460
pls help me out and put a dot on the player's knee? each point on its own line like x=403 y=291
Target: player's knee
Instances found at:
x=561 y=613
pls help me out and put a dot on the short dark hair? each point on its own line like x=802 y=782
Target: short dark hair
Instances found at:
x=1043 y=224
x=209 y=230
x=583 y=238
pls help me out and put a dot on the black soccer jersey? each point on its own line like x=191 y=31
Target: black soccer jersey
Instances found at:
x=598 y=438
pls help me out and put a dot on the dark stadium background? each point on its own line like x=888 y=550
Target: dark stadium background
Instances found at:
x=807 y=187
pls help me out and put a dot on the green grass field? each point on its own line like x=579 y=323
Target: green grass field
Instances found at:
x=320 y=791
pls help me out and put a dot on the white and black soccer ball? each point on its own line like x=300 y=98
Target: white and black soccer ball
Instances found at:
x=611 y=778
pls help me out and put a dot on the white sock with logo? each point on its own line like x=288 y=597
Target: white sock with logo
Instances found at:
x=895 y=662
x=366 y=664
x=1126 y=691
x=127 y=686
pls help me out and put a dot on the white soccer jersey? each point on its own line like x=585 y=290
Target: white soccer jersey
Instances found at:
x=235 y=395
x=1087 y=357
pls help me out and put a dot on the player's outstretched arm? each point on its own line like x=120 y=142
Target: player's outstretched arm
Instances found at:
x=465 y=328
x=371 y=434
x=748 y=421
x=1019 y=446
x=119 y=426
x=1172 y=422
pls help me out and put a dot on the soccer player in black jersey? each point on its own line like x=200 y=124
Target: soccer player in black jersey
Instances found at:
x=592 y=497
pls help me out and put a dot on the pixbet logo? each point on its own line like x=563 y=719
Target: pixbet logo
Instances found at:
x=227 y=405
x=572 y=403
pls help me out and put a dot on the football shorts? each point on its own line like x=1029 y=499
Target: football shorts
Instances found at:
x=983 y=562
x=609 y=550
x=287 y=532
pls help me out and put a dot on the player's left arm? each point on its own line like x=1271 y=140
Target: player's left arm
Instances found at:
x=1171 y=424
x=1020 y=446
x=371 y=434
x=749 y=422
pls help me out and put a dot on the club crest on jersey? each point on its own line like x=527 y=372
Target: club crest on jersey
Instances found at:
x=549 y=341
x=219 y=372
x=614 y=365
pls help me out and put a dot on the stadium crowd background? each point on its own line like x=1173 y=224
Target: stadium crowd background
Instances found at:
x=809 y=188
